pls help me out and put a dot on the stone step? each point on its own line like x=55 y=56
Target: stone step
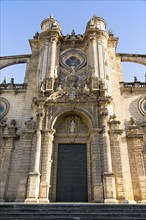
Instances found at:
x=72 y=211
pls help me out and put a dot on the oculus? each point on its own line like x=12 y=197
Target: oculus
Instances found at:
x=142 y=106
x=73 y=58
x=4 y=107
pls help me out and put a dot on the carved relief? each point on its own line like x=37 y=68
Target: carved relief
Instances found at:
x=72 y=125
x=73 y=86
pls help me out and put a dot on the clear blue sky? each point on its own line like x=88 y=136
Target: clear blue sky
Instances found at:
x=21 y=19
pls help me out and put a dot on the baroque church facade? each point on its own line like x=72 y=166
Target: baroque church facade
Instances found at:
x=74 y=131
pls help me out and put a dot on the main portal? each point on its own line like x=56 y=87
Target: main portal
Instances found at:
x=72 y=173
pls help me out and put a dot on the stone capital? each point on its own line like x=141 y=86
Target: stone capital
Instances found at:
x=54 y=39
x=95 y=130
x=116 y=131
x=49 y=133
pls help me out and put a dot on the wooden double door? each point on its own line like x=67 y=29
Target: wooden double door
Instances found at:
x=72 y=173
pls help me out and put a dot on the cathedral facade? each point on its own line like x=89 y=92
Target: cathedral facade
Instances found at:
x=74 y=131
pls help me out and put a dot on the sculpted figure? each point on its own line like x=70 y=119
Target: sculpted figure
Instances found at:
x=72 y=126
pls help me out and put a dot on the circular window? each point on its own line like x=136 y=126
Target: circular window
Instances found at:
x=142 y=105
x=73 y=61
x=1 y=108
x=4 y=107
x=73 y=58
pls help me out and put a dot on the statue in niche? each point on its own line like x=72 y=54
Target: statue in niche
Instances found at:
x=86 y=90
x=132 y=121
x=42 y=88
x=72 y=126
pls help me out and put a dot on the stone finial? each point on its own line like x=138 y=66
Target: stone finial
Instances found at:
x=51 y=17
x=135 y=79
x=12 y=81
x=12 y=85
x=110 y=32
x=73 y=33
x=36 y=35
x=3 y=121
x=13 y=122
x=112 y=117
x=132 y=121
x=30 y=124
x=4 y=81
x=114 y=124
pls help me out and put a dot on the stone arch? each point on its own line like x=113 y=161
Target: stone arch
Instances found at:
x=11 y=60
x=135 y=58
x=85 y=114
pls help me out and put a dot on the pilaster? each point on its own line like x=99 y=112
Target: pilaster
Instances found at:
x=115 y=142
x=34 y=174
x=136 y=143
x=97 y=186
x=27 y=142
x=108 y=175
x=46 y=166
x=9 y=136
x=50 y=78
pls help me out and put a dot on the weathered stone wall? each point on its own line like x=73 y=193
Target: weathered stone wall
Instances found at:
x=105 y=112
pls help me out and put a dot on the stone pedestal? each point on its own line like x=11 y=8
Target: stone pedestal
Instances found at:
x=109 y=188
x=33 y=187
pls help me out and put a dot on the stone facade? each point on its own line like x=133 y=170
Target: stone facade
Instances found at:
x=73 y=93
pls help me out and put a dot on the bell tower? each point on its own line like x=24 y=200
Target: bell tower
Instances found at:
x=49 y=41
x=97 y=39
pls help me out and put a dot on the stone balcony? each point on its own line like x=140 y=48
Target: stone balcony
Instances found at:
x=133 y=86
x=9 y=87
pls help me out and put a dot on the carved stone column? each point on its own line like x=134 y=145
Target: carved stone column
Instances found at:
x=52 y=64
x=44 y=59
x=108 y=175
x=136 y=145
x=97 y=186
x=46 y=166
x=115 y=141
x=93 y=55
x=34 y=175
x=101 y=59
x=93 y=61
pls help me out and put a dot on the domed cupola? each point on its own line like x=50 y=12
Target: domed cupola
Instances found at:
x=96 y=23
x=50 y=24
